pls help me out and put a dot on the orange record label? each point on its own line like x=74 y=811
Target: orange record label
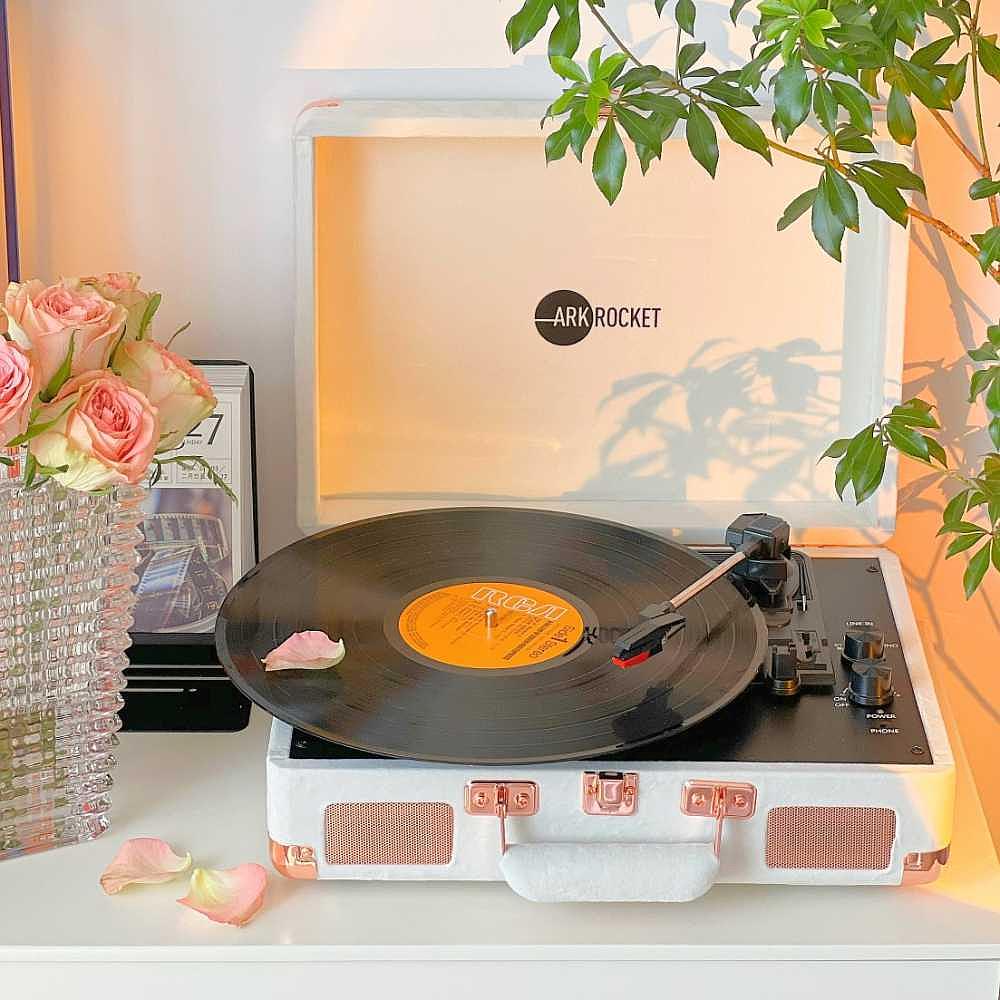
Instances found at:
x=490 y=625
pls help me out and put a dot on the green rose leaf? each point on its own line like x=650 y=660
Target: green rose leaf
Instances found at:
x=62 y=374
x=609 y=162
x=701 y=138
x=902 y=124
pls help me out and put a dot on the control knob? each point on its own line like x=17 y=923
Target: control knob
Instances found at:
x=871 y=677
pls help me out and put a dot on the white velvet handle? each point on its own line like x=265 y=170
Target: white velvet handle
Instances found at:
x=636 y=873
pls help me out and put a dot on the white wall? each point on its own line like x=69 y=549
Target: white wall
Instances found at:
x=154 y=135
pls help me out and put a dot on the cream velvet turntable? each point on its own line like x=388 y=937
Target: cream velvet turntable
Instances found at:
x=503 y=426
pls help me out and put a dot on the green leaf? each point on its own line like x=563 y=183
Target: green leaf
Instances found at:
x=657 y=102
x=33 y=430
x=565 y=37
x=825 y=106
x=935 y=451
x=926 y=87
x=796 y=208
x=30 y=470
x=842 y=476
x=743 y=130
x=688 y=55
x=980 y=562
x=527 y=22
x=592 y=108
x=869 y=468
x=826 y=226
x=850 y=140
x=609 y=162
x=984 y=188
x=841 y=198
x=594 y=62
x=557 y=142
x=883 y=195
x=993 y=334
x=567 y=69
x=684 y=14
x=914 y=413
x=955 y=508
x=902 y=124
x=989 y=56
x=995 y=432
x=993 y=394
x=611 y=67
x=638 y=76
x=954 y=83
x=980 y=382
x=729 y=93
x=989 y=247
x=855 y=103
x=642 y=131
x=996 y=554
x=930 y=55
x=837 y=449
x=660 y=4
x=962 y=543
x=816 y=24
x=701 y=138
x=736 y=8
x=791 y=97
x=582 y=131
x=908 y=441
x=900 y=176
x=61 y=375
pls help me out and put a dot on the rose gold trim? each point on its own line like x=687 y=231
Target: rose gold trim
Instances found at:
x=293 y=861
x=501 y=799
x=921 y=867
x=610 y=793
x=720 y=799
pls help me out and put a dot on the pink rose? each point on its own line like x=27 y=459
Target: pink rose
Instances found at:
x=122 y=288
x=105 y=433
x=45 y=321
x=17 y=390
x=178 y=390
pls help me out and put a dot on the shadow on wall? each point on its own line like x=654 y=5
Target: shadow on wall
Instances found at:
x=773 y=424
x=965 y=441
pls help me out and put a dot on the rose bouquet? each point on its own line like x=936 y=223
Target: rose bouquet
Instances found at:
x=88 y=394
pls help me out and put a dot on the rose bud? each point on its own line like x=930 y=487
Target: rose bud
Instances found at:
x=122 y=288
x=178 y=390
x=47 y=320
x=17 y=390
x=104 y=431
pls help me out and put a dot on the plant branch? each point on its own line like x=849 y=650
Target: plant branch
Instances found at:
x=952 y=234
x=614 y=36
x=981 y=168
x=984 y=151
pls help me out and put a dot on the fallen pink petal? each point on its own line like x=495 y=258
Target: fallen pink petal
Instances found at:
x=227 y=895
x=143 y=860
x=305 y=651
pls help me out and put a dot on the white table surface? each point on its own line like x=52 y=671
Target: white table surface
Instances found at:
x=205 y=793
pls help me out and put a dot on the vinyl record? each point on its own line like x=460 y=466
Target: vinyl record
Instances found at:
x=484 y=635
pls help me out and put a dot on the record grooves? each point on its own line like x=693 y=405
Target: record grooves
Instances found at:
x=484 y=635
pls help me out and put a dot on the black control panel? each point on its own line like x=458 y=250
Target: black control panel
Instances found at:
x=834 y=687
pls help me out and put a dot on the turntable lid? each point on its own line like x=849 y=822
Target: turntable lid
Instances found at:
x=431 y=233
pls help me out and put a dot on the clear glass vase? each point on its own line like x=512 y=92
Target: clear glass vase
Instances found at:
x=67 y=563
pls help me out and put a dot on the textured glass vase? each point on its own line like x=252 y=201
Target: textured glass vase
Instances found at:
x=67 y=564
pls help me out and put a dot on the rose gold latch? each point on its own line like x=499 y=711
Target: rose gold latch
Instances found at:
x=719 y=799
x=610 y=793
x=501 y=799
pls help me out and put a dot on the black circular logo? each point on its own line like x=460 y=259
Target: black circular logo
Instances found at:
x=564 y=317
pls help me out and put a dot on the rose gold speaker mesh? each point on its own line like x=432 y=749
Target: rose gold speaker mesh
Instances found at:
x=853 y=837
x=389 y=833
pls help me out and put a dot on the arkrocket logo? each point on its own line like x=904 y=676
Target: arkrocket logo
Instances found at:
x=566 y=317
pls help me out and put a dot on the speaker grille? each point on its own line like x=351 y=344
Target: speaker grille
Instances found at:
x=389 y=833
x=853 y=837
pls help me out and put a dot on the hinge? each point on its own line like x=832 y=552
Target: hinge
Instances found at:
x=501 y=799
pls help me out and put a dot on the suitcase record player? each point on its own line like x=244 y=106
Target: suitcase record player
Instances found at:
x=562 y=671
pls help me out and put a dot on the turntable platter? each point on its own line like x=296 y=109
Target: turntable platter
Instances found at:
x=484 y=635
